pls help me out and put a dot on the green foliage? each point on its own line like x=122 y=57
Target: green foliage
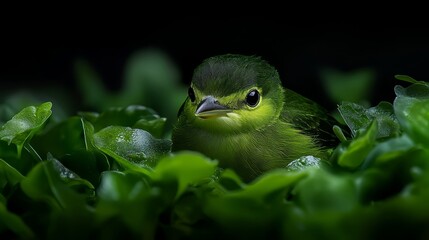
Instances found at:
x=354 y=86
x=111 y=175
x=355 y=152
x=25 y=124
x=130 y=146
x=14 y=223
x=351 y=87
x=412 y=110
x=150 y=78
x=136 y=116
x=358 y=117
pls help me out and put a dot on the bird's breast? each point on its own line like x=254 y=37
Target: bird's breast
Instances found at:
x=248 y=153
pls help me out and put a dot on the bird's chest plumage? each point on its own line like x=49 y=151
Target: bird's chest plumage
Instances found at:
x=241 y=152
x=248 y=153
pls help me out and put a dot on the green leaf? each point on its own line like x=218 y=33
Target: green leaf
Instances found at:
x=230 y=180
x=90 y=83
x=69 y=177
x=322 y=191
x=135 y=116
x=87 y=164
x=269 y=188
x=388 y=150
x=119 y=186
x=22 y=164
x=46 y=182
x=357 y=150
x=354 y=116
x=412 y=109
x=153 y=79
x=127 y=200
x=188 y=210
x=416 y=171
x=418 y=120
x=272 y=186
x=357 y=118
x=409 y=79
x=372 y=184
x=255 y=211
x=13 y=102
x=88 y=133
x=186 y=168
x=61 y=139
x=25 y=124
x=132 y=148
x=155 y=126
x=8 y=175
x=15 y=223
x=354 y=86
x=67 y=197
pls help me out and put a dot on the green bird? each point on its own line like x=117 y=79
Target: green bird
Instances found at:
x=238 y=112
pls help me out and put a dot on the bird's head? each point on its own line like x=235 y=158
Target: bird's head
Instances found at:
x=233 y=93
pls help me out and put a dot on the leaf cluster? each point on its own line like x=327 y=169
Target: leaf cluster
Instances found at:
x=112 y=175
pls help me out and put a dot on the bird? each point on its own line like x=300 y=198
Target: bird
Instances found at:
x=238 y=112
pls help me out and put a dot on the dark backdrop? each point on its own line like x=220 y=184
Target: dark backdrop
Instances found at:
x=40 y=57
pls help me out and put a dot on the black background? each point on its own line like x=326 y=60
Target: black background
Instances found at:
x=36 y=56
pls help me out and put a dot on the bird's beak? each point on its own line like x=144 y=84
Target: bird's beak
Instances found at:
x=210 y=107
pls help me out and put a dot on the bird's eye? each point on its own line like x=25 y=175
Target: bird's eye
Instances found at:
x=252 y=98
x=191 y=94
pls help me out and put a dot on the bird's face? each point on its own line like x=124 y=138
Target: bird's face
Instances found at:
x=233 y=93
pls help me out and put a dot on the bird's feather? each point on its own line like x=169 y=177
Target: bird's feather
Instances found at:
x=310 y=118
